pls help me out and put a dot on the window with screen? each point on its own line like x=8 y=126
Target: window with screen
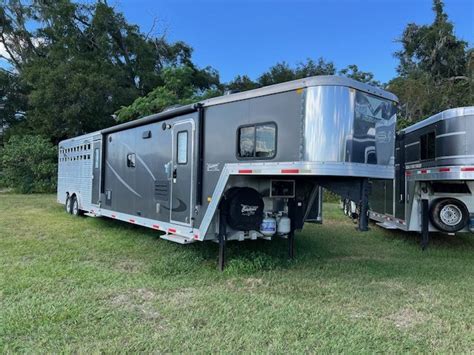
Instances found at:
x=182 y=147
x=257 y=141
x=428 y=146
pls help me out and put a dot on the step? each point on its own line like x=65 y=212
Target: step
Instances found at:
x=387 y=225
x=93 y=215
x=177 y=238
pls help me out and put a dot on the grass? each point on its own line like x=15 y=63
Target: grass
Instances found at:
x=85 y=284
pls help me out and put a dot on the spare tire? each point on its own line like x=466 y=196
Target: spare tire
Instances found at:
x=244 y=208
x=449 y=215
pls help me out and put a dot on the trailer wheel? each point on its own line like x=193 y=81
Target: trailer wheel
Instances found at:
x=68 y=205
x=75 y=211
x=449 y=215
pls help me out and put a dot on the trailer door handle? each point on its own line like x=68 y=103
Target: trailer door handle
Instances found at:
x=174 y=175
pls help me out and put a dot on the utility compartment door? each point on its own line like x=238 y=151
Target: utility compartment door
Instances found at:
x=96 y=171
x=182 y=180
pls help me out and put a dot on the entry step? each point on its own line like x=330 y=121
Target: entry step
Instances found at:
x=177 y=239
x=88 y=214
x=387 y=225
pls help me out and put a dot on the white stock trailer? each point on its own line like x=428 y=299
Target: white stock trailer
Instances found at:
x=242 y=166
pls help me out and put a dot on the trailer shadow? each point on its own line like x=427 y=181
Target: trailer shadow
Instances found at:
x=336 y=241
x=437 y=240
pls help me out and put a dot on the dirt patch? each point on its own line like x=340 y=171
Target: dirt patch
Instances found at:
x=138 y=301
x=130 y=266
x=407 y=317
x=250 y=283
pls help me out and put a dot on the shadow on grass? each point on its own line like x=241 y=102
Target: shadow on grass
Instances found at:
x=386 y=253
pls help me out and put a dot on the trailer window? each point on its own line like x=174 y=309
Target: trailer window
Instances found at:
x=246 y=142
x=428 y=146
x=96 y=158
x=257 y=141
x=182 y=149
x=265 y=141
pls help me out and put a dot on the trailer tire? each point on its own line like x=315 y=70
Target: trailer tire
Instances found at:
x=68 y=204
x=449 y=215
x=75 y=211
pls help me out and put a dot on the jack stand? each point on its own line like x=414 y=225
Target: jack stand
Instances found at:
x=222 y=240
x=425 y=234
x=291 y=245
x=364 y=206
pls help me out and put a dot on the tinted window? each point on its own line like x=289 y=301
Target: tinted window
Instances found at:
x=182 y=150
x=257 y=141
x=428 y=146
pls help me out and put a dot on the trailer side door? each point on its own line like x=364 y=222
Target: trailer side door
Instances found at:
x=182 y=180
x=96 y=171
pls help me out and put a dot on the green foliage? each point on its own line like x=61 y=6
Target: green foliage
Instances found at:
x=436 y=69
x=282 y=72
x=29 y=164
x=180 y=85
x=79 y=62
x=353 y=72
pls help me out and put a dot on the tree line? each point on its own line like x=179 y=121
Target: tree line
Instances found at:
x=76 y=67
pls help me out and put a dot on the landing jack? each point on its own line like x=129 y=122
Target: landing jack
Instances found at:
x=425 y=235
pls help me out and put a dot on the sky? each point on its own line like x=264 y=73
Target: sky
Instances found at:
x=247 y=37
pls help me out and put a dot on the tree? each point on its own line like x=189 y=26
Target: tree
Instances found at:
x=435 y=69
x=180 y=86
x=241 y=83
x=13 y=102
x=282 y=72
x=353 y=72
x=79 y=62
x=29 y=164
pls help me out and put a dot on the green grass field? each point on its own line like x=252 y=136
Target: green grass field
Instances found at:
x=91 y=284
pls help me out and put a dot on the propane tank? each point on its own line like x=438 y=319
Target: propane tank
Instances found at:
x=284 y=225
x=268 y=226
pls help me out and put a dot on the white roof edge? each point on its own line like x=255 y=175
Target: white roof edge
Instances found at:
x=443 y=115
x=323 y=80
x=81 y=137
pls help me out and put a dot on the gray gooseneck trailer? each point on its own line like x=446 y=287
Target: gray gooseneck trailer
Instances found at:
x=433 y=188
x=242 y=166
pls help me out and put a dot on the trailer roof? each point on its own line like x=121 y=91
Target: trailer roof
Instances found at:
x=299 y=84
x=444 y=115
x=323 y=80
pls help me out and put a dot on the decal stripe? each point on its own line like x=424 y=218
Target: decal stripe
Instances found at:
x=468 y=168
x=290 y=171
x=122 y=180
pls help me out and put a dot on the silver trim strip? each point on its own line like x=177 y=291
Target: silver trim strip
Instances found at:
x=454 y=157
x=451 y=134
x=411 y=144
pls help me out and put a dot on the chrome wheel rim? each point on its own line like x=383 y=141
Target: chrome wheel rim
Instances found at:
x=75 y=207
x=450 y=215
x=68 y=204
